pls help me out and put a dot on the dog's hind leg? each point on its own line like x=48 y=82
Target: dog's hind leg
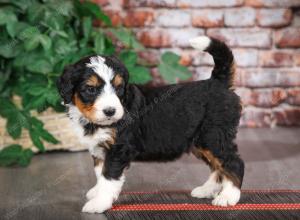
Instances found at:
x=213 y=184
x=225 y=181
x=232 y=176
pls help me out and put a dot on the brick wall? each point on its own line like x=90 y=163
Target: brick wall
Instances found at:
x=264 y=36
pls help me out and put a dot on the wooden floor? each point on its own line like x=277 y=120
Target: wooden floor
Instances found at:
x=54 y=185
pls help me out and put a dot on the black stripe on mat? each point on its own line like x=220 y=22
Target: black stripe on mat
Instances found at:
x=185 y=197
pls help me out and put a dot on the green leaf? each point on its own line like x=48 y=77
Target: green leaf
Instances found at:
x=7 y=15
x=10 y=155
x=14 y=154
x=139 y=75
x=40 y=66
x=36 y=90
x=36 y=123
x=171 y=70
x=28 y=33
x=35 y=138
x=129 y=58
x=14 y=28
x=38 y=102
x=87 y=8
x=122 y=35
x=99 y=43
x=87 y=26
x=8 y=109
x=48 y=137
x=36 y=12
x=54 y=21
x=45 y=41
x=127 y=38
x=25 y=157
x=13 y=127
x=32 y=43
x=10 y=49
x=52 y=97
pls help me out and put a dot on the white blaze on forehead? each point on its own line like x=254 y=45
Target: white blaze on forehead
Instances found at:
x=108 y=97
x=97 y=63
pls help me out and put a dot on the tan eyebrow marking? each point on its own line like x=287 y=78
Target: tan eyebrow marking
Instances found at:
x=93 y=81
x=118 y=80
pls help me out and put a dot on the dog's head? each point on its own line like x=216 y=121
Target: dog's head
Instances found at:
x=96 y=85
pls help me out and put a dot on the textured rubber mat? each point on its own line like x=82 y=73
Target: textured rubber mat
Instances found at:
x=167 y=205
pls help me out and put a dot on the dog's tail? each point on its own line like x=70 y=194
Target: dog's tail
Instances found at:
x=224 y=69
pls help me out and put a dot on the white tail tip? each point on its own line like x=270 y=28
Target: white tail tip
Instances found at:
x=200 y=43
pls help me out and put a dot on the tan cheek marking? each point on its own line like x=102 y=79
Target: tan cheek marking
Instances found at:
x=93 y=81
x=117 y=81
x=87 y=110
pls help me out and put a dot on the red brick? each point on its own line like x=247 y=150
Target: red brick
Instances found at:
x=245 y=57
x=115 y=17
x=209 y=3
x=296 y=20
x=150 y=3
x=240 y=17
x=257 y=38
x=202 y=59
x=154 y=38
x=275 y=58
x=138 y=18
x=208 y=18
x=272 y=3
x=297 y=58
x=267 y=97
x=181 y=37
x=287 y=116
x=186 y=58
x=258 y=78
x=157 y=80
x=202 y=73
x=149 y=57
x=293 y=96
x=274 y=17
x=101 y=2
x=173 y=18
x=289 y=37
x=245 y=95
x=256 y=117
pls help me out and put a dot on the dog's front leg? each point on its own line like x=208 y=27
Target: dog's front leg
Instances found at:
x=98 y=165
x=109 y=184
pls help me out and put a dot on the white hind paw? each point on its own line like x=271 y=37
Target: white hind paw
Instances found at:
x=204 y=192
x=227 y=197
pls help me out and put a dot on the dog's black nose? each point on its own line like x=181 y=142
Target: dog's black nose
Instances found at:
x=109 y=111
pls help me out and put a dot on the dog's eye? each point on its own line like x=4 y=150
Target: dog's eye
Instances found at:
x=91 y=90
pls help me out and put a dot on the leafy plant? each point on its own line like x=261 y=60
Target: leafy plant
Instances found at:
x=38 y=39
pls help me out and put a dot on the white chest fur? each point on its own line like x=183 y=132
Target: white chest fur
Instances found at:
x=91 y=141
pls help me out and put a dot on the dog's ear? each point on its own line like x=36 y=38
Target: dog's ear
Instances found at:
x=65 y=83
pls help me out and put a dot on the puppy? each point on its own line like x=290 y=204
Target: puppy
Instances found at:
x=122 y=122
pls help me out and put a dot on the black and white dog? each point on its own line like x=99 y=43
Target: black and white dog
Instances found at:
x=122 y=122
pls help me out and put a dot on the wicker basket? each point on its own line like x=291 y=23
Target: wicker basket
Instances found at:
x=56 y=123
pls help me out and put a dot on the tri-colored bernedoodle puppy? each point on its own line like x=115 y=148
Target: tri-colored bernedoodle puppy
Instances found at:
x=122 y=122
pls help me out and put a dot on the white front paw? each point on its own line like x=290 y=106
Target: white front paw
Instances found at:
x=92 y=192
x=227 y=198
x=97 y=205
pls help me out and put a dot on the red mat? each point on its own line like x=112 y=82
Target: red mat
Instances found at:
x=254 y=204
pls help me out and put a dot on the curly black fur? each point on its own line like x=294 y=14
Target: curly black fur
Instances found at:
x=162 y=123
